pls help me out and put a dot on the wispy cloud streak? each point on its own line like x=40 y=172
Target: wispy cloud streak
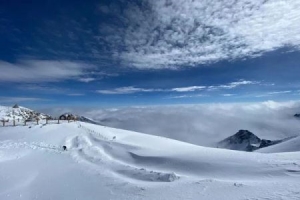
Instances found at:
x=131 y=89
x=29 y=71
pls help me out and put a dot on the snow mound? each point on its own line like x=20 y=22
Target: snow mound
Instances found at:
x=94 y=150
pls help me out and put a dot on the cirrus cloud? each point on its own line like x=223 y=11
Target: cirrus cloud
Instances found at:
x=126 y=90
x=131 y=89
x=189 y=89
x=20 y=99
x=42 y=71
x=173 y=33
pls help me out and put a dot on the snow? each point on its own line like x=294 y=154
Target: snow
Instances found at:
x=20 y=113
x=109 y=163
x=290 y=145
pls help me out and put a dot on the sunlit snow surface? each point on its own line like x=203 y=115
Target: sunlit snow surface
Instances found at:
x=108 y=163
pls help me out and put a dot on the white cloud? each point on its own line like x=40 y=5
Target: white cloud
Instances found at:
x=279 y=92
x=228 y=95
x=189 y=89
x=41 y=71
x=186 y=96
x=233 y=85
x=274 y=93
x=126 y=90
x=130 y=89
x=86 y=80
x=172 y=33
x=238 y=83
x=204 y=124
x=19 y=99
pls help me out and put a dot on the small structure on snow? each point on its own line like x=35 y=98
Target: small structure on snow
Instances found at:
x=67 y=116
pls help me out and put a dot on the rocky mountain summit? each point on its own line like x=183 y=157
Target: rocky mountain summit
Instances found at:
x=245 y=140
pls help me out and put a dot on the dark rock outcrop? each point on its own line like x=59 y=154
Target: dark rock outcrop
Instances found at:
x=297 y=115
x=87 y=120
x=245 y=140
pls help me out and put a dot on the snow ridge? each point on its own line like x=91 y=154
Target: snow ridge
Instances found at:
x=20 y=113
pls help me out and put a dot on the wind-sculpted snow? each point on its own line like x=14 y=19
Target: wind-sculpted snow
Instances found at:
x=108 y=163
x=97 y=150
x=136 y=150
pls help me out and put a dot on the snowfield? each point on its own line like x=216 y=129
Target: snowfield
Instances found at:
x=108 y=163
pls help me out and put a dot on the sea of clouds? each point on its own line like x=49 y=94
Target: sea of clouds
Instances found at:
x=204 y=124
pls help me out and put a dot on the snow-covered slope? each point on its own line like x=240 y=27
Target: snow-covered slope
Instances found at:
x=22 y=113
x=108 y=163
x=290 y=145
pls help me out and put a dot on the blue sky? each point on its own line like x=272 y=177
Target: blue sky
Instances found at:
x=143 y=52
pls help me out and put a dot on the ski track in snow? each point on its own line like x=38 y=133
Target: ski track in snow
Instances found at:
x=32 y=145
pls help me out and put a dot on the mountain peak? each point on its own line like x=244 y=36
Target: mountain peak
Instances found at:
x=245 y=134
x=245 y=140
